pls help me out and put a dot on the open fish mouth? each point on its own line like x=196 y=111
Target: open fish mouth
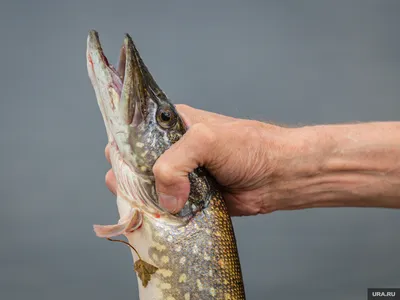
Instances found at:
x=130 y=100
x=120 y=93
x=120 y=89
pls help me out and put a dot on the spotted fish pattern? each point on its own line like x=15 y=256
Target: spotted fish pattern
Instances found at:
x=200 y=260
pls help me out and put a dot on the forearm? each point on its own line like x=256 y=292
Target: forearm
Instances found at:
x=341 y=166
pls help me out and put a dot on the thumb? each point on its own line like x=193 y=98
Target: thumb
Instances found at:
x=171 y=170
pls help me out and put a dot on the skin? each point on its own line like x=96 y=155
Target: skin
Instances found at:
x=264 y=168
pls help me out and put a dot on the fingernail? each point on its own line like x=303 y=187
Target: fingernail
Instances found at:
x=168 y=202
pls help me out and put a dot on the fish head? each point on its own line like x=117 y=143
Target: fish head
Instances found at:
x=141 y=123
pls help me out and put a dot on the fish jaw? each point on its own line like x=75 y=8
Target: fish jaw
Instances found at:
x=107 y=85
x=120 y=97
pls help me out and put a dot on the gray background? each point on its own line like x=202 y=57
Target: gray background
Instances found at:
x=296 y=62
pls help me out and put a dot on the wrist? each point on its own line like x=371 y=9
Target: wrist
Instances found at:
x=337 y=165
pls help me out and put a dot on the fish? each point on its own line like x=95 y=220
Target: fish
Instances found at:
x=188 y=255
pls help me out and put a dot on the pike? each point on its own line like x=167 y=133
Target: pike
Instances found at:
x=184 y=256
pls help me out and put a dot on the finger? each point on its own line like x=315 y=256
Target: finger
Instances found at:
x=111 y=182
x=192 y=116
x=107 y=153
x=171 y=170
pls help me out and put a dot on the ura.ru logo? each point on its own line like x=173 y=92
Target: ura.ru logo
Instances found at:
x=383 y=294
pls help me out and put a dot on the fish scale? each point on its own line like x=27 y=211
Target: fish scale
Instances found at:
x=185 y=256
x=206 y=249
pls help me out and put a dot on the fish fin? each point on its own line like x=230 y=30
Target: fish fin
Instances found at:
x=127 y=224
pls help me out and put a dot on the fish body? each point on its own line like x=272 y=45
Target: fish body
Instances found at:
x=186 y=256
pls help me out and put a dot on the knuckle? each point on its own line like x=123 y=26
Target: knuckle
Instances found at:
x=204 y=133
x=109 y=178
x=107 y=150
x=163 y=171
x=182 y=107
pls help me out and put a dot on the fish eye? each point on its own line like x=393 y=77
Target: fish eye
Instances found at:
x=166 y=117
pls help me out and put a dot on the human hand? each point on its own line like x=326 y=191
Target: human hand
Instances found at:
x=242 y=155
x=263 y=168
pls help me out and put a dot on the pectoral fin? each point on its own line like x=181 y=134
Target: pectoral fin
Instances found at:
x=126 y=224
